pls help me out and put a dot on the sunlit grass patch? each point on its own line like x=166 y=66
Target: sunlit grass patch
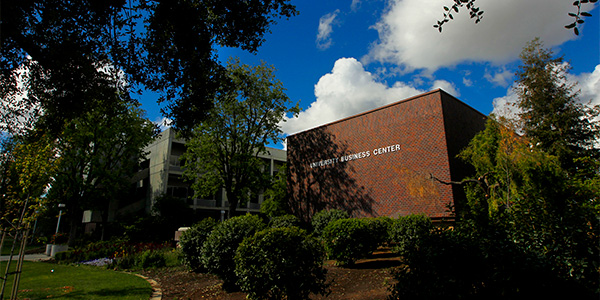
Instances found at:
x=47 y=281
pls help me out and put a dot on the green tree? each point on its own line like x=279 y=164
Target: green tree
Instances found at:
x=223 y=150
x=276 y=195
x=101 y=151
x=551 y=114
x=524 y=192
x=28 y=163
x=165 y=46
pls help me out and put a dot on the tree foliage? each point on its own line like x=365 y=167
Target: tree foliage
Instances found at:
x=100 y=152
x=165 y=46
x=223 y=150
x=551 y=115
x=525 y=192
x=276 y=195
x=28 y=164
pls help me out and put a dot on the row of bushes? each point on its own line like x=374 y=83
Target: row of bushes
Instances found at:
x=281 y=259
x=268 y=262
x=348 y=239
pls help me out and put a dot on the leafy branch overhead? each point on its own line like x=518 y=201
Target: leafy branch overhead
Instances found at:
x=476 y=13
x=579 y=15
x=53 y=49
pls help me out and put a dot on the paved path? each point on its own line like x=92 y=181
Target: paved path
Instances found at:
x=29 y=257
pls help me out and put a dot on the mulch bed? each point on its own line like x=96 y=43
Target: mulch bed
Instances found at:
x=368 y=279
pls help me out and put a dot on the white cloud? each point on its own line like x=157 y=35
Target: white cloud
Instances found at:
x=18 y=112
x=502 y=78
x=344 y=92
x=588 y=83
x=408 y=38
x=446 y=86
x=467 y=82
x=163 y=123
x=325 y=29
x=505 y=106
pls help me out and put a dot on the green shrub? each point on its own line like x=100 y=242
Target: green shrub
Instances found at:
x=280 y=263
x=407 y=232
x=218 y=251
x=321 y=219
x=192 y=240
x=284 y=221
x=65 y=256
x=380 y=229
x=348 y=240
x=453 y=265
x=151 y=259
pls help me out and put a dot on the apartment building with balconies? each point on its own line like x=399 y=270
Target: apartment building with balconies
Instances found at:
x=162 y=174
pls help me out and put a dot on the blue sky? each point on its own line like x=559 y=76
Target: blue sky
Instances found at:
x=340 y=58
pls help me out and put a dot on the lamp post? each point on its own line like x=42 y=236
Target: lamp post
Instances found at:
x=60 y=206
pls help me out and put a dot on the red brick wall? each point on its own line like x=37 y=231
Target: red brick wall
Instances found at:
x=396 y=183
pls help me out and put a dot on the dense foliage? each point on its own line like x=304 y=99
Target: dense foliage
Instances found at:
x=193 y=239
x=218 y=251
x=458 y=264
x=281 y=263
x=322 y=218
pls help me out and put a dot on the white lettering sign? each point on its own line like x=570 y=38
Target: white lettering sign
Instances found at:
x=356 y=156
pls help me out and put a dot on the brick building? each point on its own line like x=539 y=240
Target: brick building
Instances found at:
x=381 y=162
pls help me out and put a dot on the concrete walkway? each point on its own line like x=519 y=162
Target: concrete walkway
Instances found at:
x=28 y=257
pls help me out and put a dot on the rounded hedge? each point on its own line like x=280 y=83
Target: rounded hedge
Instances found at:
x=380 y=229
x=280 y=263
x=191 y=242
x=321 y=219
x=348 y=240
x=284 y=221
x=408 y=232
x=218 y=251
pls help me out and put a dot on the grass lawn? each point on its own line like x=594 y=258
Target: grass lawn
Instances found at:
x=51 y=281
